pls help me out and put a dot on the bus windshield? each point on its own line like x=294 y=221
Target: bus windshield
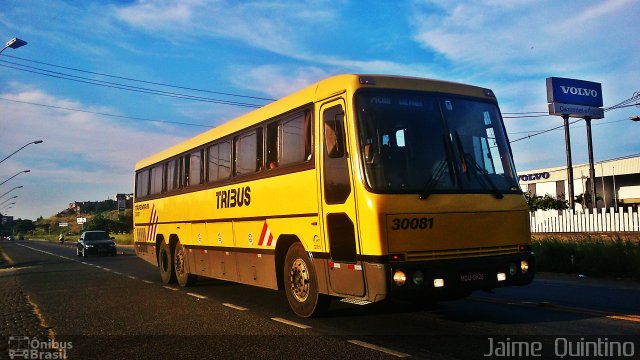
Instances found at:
x=413 y=142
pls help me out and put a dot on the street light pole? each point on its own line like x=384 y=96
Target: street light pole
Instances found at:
x=9 y=205
x=13 y=197
x=33 y=142
x=24 y=171
x=17 y=187
x=14 y=44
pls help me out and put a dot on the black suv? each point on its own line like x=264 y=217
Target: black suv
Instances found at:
x=95 y=243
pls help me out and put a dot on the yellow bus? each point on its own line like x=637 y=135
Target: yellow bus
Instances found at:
x=360 y=187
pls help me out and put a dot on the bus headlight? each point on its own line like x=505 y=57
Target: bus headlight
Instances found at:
x=418 y=278
x=399 y=278
x=524 y=266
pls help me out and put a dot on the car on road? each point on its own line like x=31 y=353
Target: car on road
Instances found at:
x=96 y=242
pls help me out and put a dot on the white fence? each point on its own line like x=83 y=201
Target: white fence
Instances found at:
x=601 y=220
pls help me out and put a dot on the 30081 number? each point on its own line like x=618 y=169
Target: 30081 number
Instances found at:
x=412 y=223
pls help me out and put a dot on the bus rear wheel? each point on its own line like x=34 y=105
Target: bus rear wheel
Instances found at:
x=181 y=264
x=301 y=285
x=165 y=264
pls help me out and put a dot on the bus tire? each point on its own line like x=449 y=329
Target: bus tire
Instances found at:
x=301 y=284
x=165 y=264
x=181 y=267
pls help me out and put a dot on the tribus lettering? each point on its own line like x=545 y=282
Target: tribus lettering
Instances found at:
x=233 y=197
x=538 y=176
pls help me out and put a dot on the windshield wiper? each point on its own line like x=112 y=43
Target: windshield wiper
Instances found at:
x=440 y=170
x=433 y=181
x=482 y=174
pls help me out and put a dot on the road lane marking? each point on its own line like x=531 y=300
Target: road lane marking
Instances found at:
x=291 y=323
x=632 y=318
x=171 y=288
x=562 y=308
x=147 y=281
x=117 y=273
x=197 y=295
x=379 y=348
x=235 y=307
x=7 y=258
x=132 y=277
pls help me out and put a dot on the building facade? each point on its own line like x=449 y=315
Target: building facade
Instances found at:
x=617 y=182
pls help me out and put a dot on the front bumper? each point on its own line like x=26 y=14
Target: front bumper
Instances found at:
x=106 y=250
x=461 y=276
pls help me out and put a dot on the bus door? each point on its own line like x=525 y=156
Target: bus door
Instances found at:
x=338 y=204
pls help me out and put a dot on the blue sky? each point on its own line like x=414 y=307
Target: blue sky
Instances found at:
x=271 y=48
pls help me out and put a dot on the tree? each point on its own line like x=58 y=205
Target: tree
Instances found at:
x=23 y=226
x=546 y=202
x=585 y=199
x=99 y=222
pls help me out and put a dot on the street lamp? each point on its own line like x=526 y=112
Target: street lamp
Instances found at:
x=17 y=187
x=24 y=171
x=14 y=44
x=33 y=142
x=13 y=197
x=9 y=205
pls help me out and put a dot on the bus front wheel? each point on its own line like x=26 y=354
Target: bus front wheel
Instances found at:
x=301 y=285
x=165 y=264
x=181 y=264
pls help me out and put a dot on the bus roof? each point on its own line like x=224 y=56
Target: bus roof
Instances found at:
x=313 y=93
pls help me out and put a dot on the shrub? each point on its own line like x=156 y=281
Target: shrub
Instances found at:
x=589 y=256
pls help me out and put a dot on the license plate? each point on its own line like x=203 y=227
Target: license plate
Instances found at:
x=471 y=277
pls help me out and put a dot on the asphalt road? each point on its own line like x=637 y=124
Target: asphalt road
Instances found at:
x=116 y=307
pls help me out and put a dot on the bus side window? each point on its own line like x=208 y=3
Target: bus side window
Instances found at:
x=248 y=152
x=142 y=184
x=337 y=185
x=195 y=168
x=272 y=145
x=334 y=134
x=289 y=140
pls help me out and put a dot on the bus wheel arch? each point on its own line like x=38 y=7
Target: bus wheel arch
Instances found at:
x=181 y=265
x=159 y=241
x=282 y=246
x=165 y=260
x=300 y=283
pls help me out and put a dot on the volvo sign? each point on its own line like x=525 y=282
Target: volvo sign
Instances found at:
x=577 y=99
x=576 y=92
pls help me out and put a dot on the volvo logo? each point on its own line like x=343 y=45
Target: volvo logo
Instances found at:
x=537 y=176
x=579 y=91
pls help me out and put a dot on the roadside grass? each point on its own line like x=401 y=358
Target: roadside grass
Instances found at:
x=122 y=239
x=596 y=257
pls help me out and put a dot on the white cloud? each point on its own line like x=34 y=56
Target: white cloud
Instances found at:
x=275 y=26
x=81 y=154
x=278 y=81
x=532 y=36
